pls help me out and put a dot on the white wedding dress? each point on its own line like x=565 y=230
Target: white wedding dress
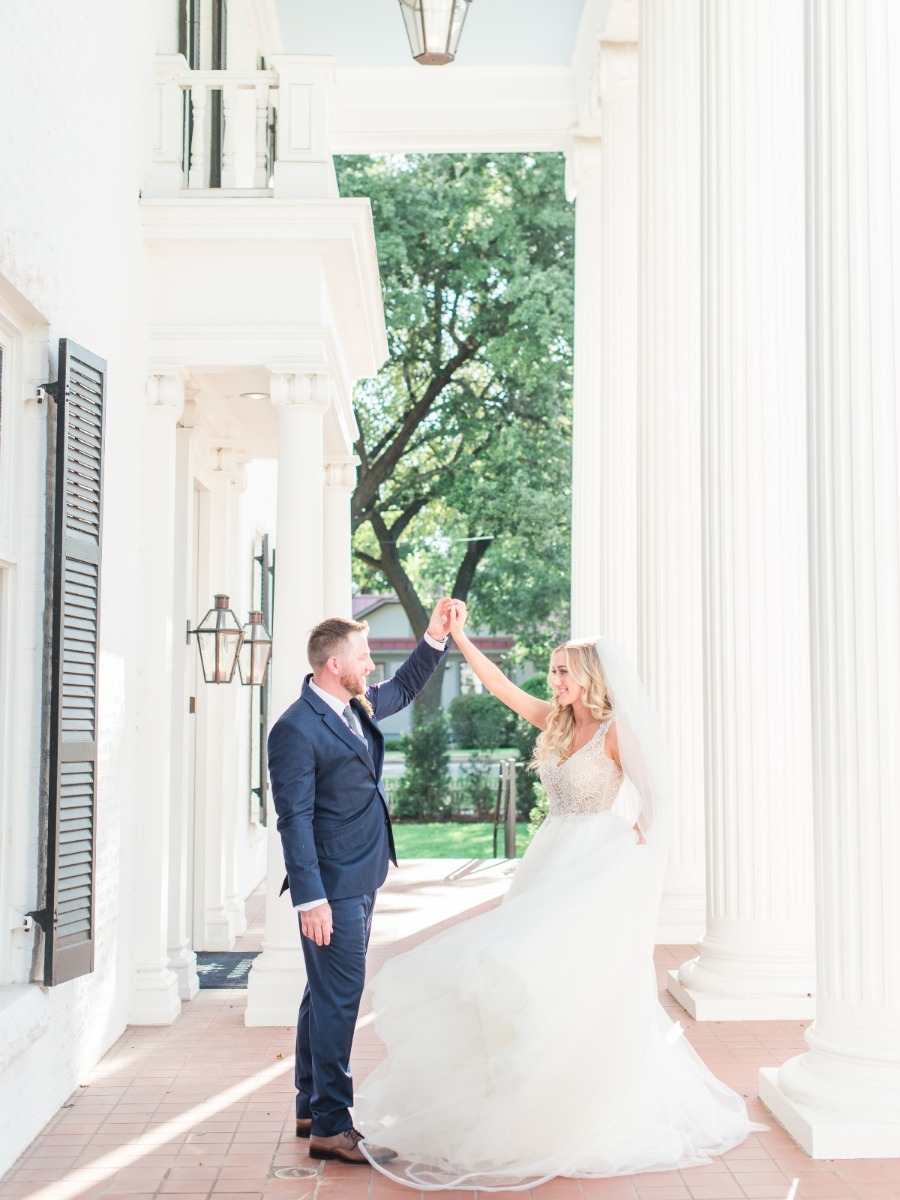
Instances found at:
x=528 y=1042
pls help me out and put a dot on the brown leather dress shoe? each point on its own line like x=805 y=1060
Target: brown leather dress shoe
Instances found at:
x=304 y=1126
x=345 y=1148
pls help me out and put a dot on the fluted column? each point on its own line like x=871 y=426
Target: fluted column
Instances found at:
x=841 y=1099
x=757 y=957
x=604 y=170
x=182 y=959
x=668 y=432
x=340 y=480
x=277 y=978
x=155 y=1000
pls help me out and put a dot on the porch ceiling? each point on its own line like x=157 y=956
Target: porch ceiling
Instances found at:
x=370 y=33
x=514 y=86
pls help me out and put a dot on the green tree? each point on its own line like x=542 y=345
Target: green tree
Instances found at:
x=464 y=435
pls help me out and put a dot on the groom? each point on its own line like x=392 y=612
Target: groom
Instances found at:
x=325 y=758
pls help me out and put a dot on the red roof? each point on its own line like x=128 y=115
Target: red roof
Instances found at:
x=407 y=644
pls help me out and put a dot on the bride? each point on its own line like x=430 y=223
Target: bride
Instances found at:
x=529 y=1042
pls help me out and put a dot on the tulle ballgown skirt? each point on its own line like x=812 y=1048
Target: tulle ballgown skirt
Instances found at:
x=528 y=1042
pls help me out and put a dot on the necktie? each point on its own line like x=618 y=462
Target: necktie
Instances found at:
x=353 y=721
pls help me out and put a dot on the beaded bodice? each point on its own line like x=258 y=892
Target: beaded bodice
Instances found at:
x=588 y=781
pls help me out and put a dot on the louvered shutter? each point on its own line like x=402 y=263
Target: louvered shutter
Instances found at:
x=72 y=654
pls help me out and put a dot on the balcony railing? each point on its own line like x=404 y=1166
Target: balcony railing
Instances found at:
x=252 y=132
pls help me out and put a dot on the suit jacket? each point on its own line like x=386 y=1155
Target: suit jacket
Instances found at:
x=327 y=789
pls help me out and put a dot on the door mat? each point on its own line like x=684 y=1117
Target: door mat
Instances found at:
x=224 y=968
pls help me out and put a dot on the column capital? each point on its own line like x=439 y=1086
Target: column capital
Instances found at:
x=302 y=389
x=165 y=389
x=340 y=473
x=584 y=156
x=232 y=463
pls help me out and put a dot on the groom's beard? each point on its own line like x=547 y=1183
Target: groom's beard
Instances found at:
x=354 y=684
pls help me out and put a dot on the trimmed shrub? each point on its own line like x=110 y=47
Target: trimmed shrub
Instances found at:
x=480 y=722
x=423 y=791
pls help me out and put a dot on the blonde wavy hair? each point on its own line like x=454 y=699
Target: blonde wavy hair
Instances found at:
x=555 y=742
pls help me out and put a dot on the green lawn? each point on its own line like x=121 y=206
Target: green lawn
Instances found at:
x=448 y=839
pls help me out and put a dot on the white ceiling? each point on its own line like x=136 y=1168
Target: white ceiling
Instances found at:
x=371 y=33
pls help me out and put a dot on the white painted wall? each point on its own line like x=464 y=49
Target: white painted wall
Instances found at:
x=74 y=93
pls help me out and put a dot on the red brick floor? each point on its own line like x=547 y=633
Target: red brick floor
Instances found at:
x=204 y=1107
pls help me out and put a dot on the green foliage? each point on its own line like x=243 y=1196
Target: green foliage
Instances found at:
x=539 y=812
x=480 y=722
x=424 y=789
x=464 y=477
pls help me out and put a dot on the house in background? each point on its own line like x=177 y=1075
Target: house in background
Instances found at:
x=391 y=639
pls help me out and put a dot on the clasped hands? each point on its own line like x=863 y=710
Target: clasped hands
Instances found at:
x=448 y=617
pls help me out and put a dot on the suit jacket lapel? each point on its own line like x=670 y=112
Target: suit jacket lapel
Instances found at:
x=339 y=727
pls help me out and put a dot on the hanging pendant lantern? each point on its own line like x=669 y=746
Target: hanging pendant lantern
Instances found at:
x=256 y=650
x=434 y=28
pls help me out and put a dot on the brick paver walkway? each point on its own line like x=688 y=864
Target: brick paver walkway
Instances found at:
x=204 y=1108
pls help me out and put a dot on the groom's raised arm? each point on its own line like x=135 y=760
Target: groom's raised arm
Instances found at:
x=408 y=680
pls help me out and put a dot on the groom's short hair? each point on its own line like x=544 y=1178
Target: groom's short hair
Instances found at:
x=328 y=637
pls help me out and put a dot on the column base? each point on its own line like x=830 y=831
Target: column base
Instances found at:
x=682 y=916
x=824 y=1134
x=183 y=961
x=715 y=1006
x=238 y=913
x=155 y=1000
x=275 y=987
x=218 y=930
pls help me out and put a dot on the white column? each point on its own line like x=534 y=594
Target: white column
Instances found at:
x=668 y=432
x=604 y=551
x=584 y=173
x=155 y=1000
x=757 y=957
x=219 y=716
x=182 y=959
x=841 y=1099
x=277 y=978
x=340 y=480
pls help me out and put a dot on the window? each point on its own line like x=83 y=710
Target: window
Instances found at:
x=468 y=680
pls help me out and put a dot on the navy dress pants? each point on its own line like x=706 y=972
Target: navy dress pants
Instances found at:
x=336 y=976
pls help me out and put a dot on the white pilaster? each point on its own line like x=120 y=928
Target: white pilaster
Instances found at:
x=340 y=480
x=668 y=432
x=156 y=1000
x=182 y=959
x=841 y=1099
x=757 y=957
x=277 y=978
x=218 y=914
x=604 y=551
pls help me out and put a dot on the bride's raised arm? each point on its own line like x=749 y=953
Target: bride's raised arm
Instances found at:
x=530 y=707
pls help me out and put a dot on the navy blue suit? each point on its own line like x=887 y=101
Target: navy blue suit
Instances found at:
x=337 y=842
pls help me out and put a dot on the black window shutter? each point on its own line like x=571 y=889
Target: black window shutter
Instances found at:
x=72 y=653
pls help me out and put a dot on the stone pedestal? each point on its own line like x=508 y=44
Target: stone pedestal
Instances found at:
x=841 y=1099
x=277 y=977
x=757 y=957
x=668 y=433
